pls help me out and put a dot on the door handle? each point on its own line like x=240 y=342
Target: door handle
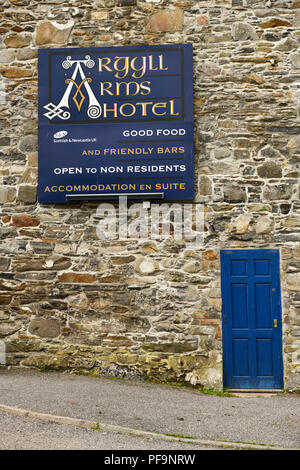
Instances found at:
x=275 y=323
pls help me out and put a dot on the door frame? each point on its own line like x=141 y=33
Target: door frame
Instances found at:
x=276 y=251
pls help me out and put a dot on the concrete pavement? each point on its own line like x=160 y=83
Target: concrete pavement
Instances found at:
x=24 y=433
x=174 y=412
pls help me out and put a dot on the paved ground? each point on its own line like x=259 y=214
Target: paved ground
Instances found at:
x=19 y=433
x=150 y=407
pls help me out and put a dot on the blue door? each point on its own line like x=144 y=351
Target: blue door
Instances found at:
x=252 y=333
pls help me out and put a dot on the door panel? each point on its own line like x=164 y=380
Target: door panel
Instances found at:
x=252 y=338
x=239 y=296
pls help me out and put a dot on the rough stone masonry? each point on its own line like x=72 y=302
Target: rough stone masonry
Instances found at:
x=139 y=308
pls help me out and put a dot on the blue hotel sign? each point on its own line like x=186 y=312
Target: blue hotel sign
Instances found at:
x=116 y=120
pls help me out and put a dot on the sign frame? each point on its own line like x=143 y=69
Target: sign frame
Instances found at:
x=163 y=155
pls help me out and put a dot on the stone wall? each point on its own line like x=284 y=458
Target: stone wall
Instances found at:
x=142 y=307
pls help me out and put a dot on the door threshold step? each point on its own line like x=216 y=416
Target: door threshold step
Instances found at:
x=253 y=393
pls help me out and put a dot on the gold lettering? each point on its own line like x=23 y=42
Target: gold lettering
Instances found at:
x=145 y=87
x=161 y=62
x=151 y=63
x=124 y=69
x=127 y=104
x=144 y=107
x=104 y=88
x=101 y=65
x=111 y=110
x=141 y=69
x=127 y=88
x=172 y=113
x=159 y=105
